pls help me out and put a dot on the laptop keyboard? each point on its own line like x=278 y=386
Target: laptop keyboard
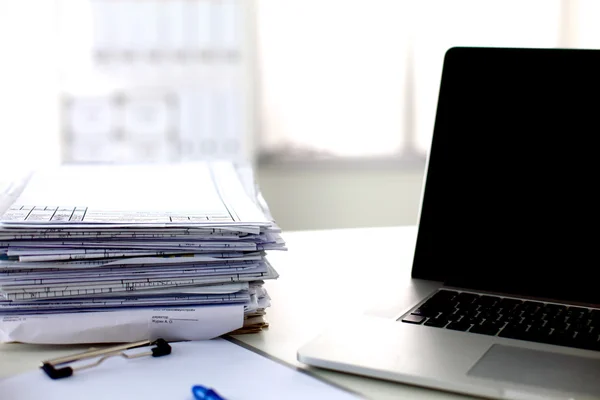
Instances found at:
x=510 y=318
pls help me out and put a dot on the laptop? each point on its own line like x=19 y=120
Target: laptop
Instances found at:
x=504 y=299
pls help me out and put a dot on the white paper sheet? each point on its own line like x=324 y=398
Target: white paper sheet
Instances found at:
x=176 y=259
x=128 y=274
x=12 y=231
x=105 y=273
x=234 y=372
x=151 y=194
x=86 y=254
x=196 y=323
x=172 y=244
x=116 y=303
x=137 y=286
x=26 y=234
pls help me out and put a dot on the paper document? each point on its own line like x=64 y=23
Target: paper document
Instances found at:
x=180 y=259
x=87 y=241
x=233 y=371
x=129 y=286
x=193 y=323
x=153 y=194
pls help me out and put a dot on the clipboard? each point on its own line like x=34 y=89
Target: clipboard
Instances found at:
x=57 y=368
x=233 y=371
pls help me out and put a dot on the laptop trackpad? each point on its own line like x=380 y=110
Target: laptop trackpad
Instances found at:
x=555 y=371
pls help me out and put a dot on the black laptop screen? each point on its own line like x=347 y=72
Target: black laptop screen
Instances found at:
x=511 y=197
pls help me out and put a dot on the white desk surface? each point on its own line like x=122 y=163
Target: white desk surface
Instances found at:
x=325 y=276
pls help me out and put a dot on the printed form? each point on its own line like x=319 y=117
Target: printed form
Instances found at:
x=153 y=194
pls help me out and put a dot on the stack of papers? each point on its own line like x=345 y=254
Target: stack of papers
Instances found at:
x=152 y=244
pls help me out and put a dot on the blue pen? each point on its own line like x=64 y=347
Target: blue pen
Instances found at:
x=204 y=393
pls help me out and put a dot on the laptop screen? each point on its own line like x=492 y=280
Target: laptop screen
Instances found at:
x=511 y=196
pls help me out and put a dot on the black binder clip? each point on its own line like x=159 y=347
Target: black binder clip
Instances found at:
x=55 y=368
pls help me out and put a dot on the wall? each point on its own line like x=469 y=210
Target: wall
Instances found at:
x=303 y=198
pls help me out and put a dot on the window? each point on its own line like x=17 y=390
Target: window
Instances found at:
x=333 y=78
x=29 y=122
x=360 y=78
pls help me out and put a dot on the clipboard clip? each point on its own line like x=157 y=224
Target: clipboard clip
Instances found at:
x=55 y=368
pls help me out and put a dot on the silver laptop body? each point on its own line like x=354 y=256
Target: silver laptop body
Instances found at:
x=504 y=302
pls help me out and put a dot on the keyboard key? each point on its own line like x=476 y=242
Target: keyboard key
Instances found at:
x=413 y=319
x=531 y=307
x=459 y=326
x=562 y=337
x=436 y=322
x=579 y=325
x=537 y=322
x=489 y=328
x=455 y=316
x=509 y=303
x=586 y=340
x=514 y=331
x=553 y=309
x=558 y=323
x=467 y=298
x=577 y=312
x=470 y=311
x=510 y=318
x=593 y=342
x=538 y=333
x=488 y=301
x=442 y=299
x=424 y=311
x=443 y=295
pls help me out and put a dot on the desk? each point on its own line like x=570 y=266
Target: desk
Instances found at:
x=324 y=277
